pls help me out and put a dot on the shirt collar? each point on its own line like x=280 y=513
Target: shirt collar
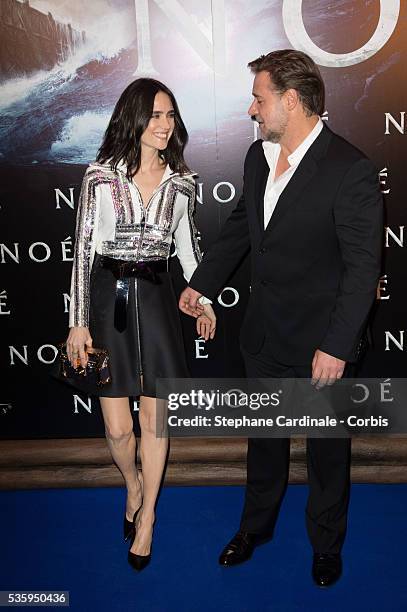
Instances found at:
x=122 y=167
x=272 y=149
x=168 y=172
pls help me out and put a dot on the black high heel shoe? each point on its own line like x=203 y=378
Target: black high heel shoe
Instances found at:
x=138 y=562
x=129 y=527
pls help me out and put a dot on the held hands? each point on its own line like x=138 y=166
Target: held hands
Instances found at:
x=206 y=323
x=326 y=369
x=78 y=339
x=203 y=313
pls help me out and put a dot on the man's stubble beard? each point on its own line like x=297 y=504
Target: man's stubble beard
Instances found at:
x=276 y=135
x=273 y=136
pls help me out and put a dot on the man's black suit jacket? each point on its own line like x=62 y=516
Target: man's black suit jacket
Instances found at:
x=315 y=268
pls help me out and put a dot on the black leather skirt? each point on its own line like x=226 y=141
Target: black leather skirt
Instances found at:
x=151 y=345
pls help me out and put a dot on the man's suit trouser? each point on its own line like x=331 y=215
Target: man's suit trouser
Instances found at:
x=328 y=464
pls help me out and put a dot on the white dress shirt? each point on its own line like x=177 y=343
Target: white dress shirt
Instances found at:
x=274 y=188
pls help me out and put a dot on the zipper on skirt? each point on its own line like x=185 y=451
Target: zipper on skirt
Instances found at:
x=140 y=365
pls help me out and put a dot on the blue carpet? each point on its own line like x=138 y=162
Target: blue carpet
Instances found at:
x=70 y=539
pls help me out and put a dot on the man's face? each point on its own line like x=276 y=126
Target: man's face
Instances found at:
x=268 y=108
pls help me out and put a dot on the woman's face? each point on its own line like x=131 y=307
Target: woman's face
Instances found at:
x=161 y=124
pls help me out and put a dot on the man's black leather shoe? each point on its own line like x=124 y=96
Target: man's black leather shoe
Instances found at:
x=326 y=569
x=239 y=549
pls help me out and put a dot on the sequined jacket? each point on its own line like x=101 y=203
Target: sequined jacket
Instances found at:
x=112 y=220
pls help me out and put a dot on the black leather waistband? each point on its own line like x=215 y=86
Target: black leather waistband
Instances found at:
x=123 y=270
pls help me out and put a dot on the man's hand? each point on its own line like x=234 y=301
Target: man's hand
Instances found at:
x=326 y=369
x=188 y=302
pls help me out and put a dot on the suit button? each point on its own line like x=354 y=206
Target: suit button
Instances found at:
x=263 y=250
x=264 y=283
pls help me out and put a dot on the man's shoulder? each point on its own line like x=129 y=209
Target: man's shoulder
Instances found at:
x=344 y=160
x=254 y=152
x=344 y=153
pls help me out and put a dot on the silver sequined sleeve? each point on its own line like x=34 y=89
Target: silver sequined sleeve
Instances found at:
x=87 y=219
x=186 y=239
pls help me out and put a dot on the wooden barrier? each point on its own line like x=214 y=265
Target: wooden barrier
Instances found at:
x=86 y=462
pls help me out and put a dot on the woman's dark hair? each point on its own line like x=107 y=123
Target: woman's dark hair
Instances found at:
x=290 y=69
x=130 y=118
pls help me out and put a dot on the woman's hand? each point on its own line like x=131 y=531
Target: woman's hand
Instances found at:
x=206 y=322
x=78 y=339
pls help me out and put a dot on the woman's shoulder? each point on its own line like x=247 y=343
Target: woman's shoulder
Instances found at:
x=185 y=180
x=99 y=173
x=102 y=167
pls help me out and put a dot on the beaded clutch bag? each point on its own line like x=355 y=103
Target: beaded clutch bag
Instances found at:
x=90 y=379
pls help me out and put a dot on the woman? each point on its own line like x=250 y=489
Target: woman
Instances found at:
x=135 y=199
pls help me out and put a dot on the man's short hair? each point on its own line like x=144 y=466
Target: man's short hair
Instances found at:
x=290 y=69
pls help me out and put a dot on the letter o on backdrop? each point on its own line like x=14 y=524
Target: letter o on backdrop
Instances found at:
x=298 y=36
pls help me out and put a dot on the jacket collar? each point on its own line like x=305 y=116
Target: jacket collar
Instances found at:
x=168 y=173
x=319 y=147
x=272 y=149
x=305 y=171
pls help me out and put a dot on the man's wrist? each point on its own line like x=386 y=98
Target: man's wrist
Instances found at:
x=333 y=353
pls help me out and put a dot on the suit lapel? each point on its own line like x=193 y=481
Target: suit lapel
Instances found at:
x=260 y=186
x=306 y=170
x=296 y=186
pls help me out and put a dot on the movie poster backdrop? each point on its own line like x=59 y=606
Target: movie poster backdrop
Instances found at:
x=63 y=67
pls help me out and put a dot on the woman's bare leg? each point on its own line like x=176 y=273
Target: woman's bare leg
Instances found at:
x=122 y=444
x=153 y=453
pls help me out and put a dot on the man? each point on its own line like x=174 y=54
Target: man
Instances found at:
x=311 y=216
